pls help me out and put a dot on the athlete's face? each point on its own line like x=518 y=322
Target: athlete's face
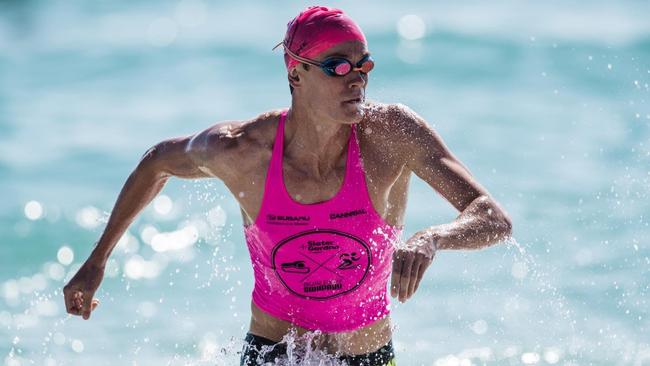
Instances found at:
x=339 y=98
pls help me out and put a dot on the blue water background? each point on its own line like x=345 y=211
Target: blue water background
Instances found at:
x=547 y=104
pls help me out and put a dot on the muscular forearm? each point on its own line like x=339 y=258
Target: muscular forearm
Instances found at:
x=481 y=224
x=140 y=188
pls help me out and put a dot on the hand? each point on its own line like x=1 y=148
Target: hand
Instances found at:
x=79 y=292
x=409 y=263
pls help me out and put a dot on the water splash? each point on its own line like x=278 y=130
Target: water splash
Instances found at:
x=541 y=281
x=303 y=350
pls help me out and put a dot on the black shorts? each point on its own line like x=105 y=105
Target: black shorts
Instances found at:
x=256 y=346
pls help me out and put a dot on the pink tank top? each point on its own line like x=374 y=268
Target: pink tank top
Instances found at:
x=324 y=265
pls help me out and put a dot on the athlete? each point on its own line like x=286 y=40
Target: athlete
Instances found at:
x=322 y=188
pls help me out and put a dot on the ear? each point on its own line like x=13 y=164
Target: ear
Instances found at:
x=294 y=77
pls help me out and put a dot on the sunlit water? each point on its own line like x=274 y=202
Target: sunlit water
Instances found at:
x=546 y=104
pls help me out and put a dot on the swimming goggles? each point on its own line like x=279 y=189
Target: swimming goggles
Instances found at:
x=334 y=66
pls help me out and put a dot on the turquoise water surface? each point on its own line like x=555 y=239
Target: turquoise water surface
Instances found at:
x=547 y=104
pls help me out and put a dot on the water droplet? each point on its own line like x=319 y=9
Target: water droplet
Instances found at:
x=33 y=210
x=65 y=255
x=88 y=217
x=411 y=27
x=479 y=327
x=552 y=355
x=529 y=358
x=217 y=217
x=77 y=346
x=55 y=271
x=163 y=204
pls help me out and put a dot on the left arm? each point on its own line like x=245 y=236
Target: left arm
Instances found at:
x=481 y=222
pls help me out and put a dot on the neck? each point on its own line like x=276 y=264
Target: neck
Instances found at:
x=313 y=142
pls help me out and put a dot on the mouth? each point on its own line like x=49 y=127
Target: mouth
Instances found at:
x=353 y=101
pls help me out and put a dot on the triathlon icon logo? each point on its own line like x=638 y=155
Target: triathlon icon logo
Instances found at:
x=348 y=259
x=321 y=264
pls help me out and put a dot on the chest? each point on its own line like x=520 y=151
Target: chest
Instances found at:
x=382 y=177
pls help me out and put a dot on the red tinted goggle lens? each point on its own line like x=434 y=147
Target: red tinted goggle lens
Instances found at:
x=342 y=67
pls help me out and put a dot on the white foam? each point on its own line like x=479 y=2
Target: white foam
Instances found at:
x=175 y=240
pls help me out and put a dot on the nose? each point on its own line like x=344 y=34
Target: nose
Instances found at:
x=357 y=79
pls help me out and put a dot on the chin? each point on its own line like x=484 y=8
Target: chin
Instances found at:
x=352 y=113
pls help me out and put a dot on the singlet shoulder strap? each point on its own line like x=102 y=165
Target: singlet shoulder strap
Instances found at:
x=274 y=173
x=355 y=174
x=278 y=144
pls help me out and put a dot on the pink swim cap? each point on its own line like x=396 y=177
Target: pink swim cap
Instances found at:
x=316 y=29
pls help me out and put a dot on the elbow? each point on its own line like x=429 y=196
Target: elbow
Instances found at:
x=506 y=225
x=151 y=164
x=501 y=221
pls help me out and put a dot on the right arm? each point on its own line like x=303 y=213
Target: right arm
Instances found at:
x=185 y=157
x=166 y=159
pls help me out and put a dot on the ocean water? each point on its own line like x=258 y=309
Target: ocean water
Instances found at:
x=547 y=104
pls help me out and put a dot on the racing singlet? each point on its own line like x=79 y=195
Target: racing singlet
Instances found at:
x=324 y=265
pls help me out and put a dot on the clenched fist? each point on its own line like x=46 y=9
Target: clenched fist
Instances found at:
x=79 y=292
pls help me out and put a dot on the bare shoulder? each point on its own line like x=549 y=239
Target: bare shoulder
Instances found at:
x=229 y=135
x=398 y=125
x=394 y=119
x=228 y=146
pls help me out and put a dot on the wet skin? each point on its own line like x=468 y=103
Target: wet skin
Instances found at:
x=394 y=142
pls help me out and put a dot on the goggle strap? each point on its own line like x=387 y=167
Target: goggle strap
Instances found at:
x=277 y=45
x=314 y=63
